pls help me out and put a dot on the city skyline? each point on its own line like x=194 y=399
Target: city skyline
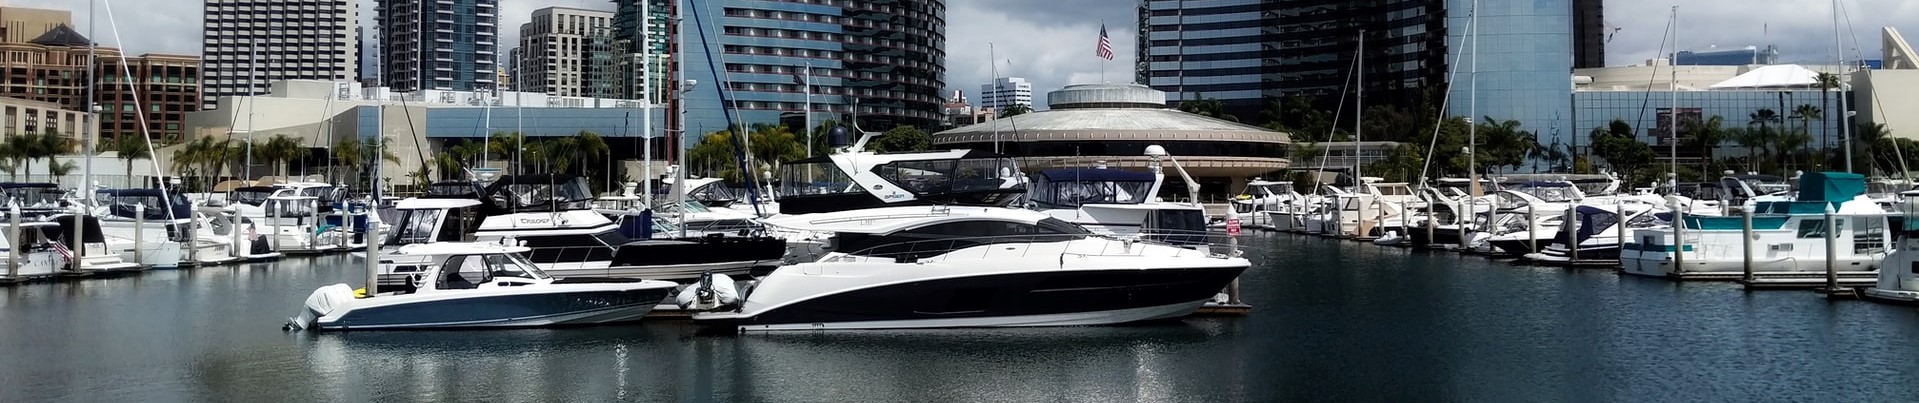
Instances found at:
x=1051 y=54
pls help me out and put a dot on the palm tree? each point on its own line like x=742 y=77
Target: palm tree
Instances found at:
x=278 y=150
x=1877 y=140
x=1806 y=113
x=560 y=152
x=1827 y=83
x=52 y=144
x=59 y=169
x=505 y=145
x=130 y=148
x=589 y=148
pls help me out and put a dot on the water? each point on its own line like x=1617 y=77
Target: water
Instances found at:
x=1334 y=321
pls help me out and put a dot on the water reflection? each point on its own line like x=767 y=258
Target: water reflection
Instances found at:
x=1334 y=321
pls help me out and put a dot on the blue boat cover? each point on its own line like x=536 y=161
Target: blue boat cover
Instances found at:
x=1832 y=187
x=1095 y=175
x=1793 y=207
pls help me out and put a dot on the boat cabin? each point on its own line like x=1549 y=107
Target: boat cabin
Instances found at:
x=464 y=266
x=1070 y=188
x=858 y=180
x=33 y=195
x=425 y=220
x=538 y=193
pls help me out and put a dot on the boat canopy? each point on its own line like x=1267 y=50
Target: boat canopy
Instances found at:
x=453 y=190
x=1073 y=187
x=539 y=193
x=1835 y=187
x=125 y=202
x=253 y=195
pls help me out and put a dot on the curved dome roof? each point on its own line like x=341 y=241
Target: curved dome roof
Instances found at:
x=1110 y=112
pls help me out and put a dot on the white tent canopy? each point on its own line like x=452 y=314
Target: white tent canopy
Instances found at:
x=1774 y=76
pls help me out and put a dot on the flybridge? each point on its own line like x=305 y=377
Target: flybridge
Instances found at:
x=856 y=180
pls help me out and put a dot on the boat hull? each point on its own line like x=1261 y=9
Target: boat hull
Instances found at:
x=1031 y=298
x=566 y=308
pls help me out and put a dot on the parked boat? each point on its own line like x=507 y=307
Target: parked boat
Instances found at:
x=1116 y=203
x=939 y=266
x=1789 y=237
x=1596 y=233
x=1898 y=282
x=480 y=285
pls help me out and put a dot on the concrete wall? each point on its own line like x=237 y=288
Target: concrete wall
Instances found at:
x=1888 y=97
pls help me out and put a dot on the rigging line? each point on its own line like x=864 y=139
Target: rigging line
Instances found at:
x=739 y=144
x=1338 y=111
x=1898 y=153
x=1452 y=75
x=1650 y=81
x=410 y=128
x=126 y=73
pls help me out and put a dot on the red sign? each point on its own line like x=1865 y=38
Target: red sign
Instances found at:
x=1232 y=226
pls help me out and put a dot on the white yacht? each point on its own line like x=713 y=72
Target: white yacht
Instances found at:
x=1596 y=234
x=552 y=215
x=1898 y=281
x=962 y=266
x=34 y=251
x=1262 y=199
x=145 y=226
x=480 y=285
x=1789 y=236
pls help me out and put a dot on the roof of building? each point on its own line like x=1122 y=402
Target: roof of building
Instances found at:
x=1109 y=123
x=62 y=35
x=1774 y=76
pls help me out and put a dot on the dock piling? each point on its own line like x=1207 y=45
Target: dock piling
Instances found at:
x=1745 y=240
x=1832 y=244
x=1532 y=231
x=1571 y=222
x=1678 y=237
x=16 y=248
x=139 y=233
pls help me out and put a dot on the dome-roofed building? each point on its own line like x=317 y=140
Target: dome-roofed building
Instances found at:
x=1087 y=124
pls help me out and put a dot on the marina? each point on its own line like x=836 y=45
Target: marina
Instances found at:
x=1335 y=320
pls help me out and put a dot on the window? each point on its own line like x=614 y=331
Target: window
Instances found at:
x=1816 y=228
x=1868 y=235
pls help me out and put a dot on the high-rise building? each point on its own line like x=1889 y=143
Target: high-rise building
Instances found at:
x=246 y=44
x=438 y=44
x=562 y=49
x=1525 y=61
x=20 y=24
x=887 y=57
x=164 y=87
x=1589 y=34
x=640 y=55
x=51 y=68
x=1246 y=52
x=1005 y=91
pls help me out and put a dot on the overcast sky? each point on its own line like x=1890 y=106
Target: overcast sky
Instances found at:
x=1051 y=42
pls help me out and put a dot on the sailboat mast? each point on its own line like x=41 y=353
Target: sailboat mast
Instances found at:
x=253 y=62
x=992 y=66
x=86 y=141
x=646 y=103
x=679 y=174
x=1472 y=107
x=1359 y=115
x=1839 y=55
x=1672 y=85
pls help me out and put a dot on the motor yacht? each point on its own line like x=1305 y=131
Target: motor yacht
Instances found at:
x=479 y=285
x=1261 y=199
x=1120 y=203
x=1898 y=283
x=552 y=215
x=1596 y=233
x=965 y=266
x=1789 y=237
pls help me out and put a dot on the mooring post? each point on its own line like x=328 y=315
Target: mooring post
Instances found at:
x=1571 y=222
x=139 y=233
x=1232 y=251
x=15 y=247
x=273 y=235
x=313 y=217
x=1745 y=240
x=1621 y=225
x=1832 y=270
x=1470 y=216
x=1678 y=238
x=1532 y=228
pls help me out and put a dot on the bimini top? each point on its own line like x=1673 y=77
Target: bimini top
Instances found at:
x=125 y=202
x=1094 y=175
x=885 y=220
x=1835 y=187
x=453 y=190
x=413 y=203
x=514 y=193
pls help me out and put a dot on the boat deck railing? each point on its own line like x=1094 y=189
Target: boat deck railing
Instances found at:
x=1025 y=246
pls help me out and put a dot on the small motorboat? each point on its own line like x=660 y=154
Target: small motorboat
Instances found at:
x=479 y=285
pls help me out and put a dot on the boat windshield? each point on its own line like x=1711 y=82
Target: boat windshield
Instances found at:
x=1549 y=192
x=470 y=271
x=252 y=196
x=815 y=177
x=1395 y=190
x=715 y=191
x=424 y=226
x=1277 y=189
x=33 y=194
x=327 y=195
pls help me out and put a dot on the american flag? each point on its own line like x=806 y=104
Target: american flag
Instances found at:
x=1105 y=46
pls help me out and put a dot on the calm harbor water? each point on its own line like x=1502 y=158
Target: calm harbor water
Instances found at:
x=1334 y=321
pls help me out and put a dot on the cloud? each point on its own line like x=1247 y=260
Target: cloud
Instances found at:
x=1050 y=43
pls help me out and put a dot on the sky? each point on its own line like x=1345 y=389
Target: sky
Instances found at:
x=1051 y=43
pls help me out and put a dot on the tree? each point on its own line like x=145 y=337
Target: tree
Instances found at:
x=1879 y=148
x=279 y=149
x=1826 y=82
x=1015 y=110
x=10 y=155
x=59 y=169
x=129 y=148
x=505 y=146
x=902 y=138
x=1402 y=163
x=1305 y=154
x=1624 y=152
x=1706 y=134
x=48 y=145
x=1502 y=143
x=1208 y=107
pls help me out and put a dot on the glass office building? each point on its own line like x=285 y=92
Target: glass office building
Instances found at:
x=885 y=56
x=1648 y=113
x=1525 y=61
